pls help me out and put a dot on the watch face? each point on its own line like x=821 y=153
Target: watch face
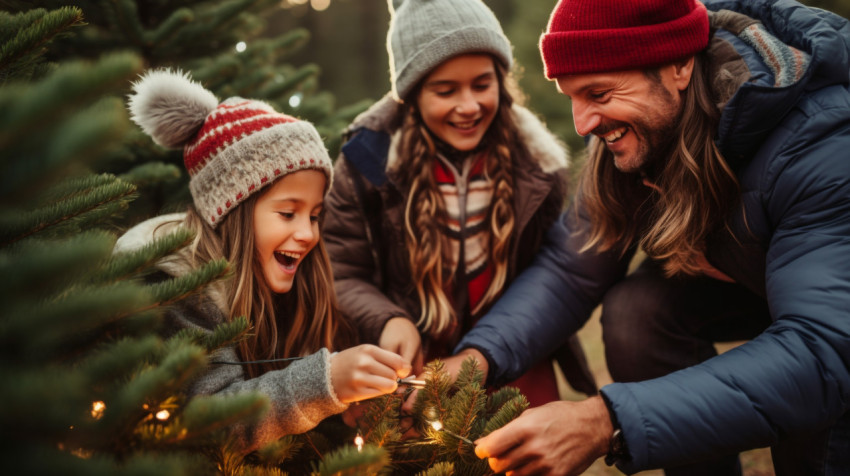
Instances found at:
x=616 y=449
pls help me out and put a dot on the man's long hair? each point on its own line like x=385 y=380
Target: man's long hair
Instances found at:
x=694 y=188
x=293 y=324
x=425 y=209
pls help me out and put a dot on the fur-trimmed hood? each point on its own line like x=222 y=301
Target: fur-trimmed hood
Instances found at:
x=176 y=264
x=545 y=149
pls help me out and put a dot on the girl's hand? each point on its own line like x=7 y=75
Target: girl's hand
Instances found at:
x=401 y=336
x=366 y=371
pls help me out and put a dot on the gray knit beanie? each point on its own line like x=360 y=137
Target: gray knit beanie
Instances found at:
x=424 y=33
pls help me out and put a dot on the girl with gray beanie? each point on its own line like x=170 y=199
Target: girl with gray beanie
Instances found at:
x=258 y=180
x=444 y=191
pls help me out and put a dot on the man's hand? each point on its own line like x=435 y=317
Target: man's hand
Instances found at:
x=559 y=438
x=453 y=363
x=401 y=336
x=452 y=366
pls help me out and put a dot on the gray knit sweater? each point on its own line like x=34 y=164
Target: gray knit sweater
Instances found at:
x=300 y=396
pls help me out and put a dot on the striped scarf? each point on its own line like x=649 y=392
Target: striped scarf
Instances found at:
x=786 y=62
x=467 y=194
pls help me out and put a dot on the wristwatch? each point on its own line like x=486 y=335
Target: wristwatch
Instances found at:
x=616 y=448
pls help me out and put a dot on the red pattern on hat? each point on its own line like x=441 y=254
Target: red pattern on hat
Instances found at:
x=221 y=130
x=592 y=36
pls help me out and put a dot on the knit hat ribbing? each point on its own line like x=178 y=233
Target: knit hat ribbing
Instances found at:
x=424 y=33
x=232 y=149
x=592 y=36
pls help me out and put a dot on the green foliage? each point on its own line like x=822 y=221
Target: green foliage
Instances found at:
x=276 y=452
x=349 y=461
x=440 y=469
x=463 y=409
x=26 y=33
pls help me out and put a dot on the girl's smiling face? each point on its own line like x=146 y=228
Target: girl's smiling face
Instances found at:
x=286 y=225
x=459 y=99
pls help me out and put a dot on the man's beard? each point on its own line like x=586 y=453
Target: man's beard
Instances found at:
x=657 y=136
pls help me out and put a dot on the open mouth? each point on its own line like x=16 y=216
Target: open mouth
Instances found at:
x=287 y=259
x=466 y=125
x=615 y=135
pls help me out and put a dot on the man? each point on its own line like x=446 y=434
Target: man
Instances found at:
x=720 y=145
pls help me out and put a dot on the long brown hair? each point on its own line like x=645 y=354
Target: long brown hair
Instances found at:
x=694 y=190
x=293 y=324
x=425 y=208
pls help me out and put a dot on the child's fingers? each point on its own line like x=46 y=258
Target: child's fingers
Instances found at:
x=372 y=386
x=400 y=366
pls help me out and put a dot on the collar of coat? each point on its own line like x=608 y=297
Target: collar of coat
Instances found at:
x=175 y=264
x=546 y=150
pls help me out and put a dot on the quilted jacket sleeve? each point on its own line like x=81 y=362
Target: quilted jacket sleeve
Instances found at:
x=547 y=303
x=354 y=255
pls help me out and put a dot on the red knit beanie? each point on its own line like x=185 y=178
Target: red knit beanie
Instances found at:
x=593 y=36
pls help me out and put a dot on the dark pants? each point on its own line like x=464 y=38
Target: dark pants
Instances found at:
x=653 y=326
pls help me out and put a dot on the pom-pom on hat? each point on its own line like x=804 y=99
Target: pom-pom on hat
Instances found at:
x=424 y=33
x=231 y=149
x=594 y=36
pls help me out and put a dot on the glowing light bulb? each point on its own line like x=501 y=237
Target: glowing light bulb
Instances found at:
x=97 y=409
x=162 y=415
x=438 y=426
x=320 y=5
x=358 y=440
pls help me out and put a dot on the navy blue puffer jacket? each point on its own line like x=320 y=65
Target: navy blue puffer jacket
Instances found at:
x=790 y=146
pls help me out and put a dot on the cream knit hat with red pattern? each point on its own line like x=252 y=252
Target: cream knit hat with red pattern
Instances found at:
x=232 y=149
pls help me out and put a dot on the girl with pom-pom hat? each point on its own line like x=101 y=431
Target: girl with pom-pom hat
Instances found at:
x=258 y=180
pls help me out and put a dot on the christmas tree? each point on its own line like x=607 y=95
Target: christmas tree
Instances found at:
x=89 y=386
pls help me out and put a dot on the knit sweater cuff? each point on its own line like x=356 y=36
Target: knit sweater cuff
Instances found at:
x=329 y=379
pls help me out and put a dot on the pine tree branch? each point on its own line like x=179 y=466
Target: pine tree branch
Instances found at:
x=39 y=330
x=348 y=461
x=225 y=334
x=173 y=290
x=74 y=186
x=208 y=414
x=151 y=173
x=125 y=15
x=507 y=412
x=443 y=468
x=169 y=27
x=432 y=401
x=125 y=264
x=38 y=269
x=91 y=205
x=116 y=360
x=469 y=374
x=27 y=33
x=277 y=90
x=33 y=108
x=466 y=407
x=276 y=452
x=152 y=385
